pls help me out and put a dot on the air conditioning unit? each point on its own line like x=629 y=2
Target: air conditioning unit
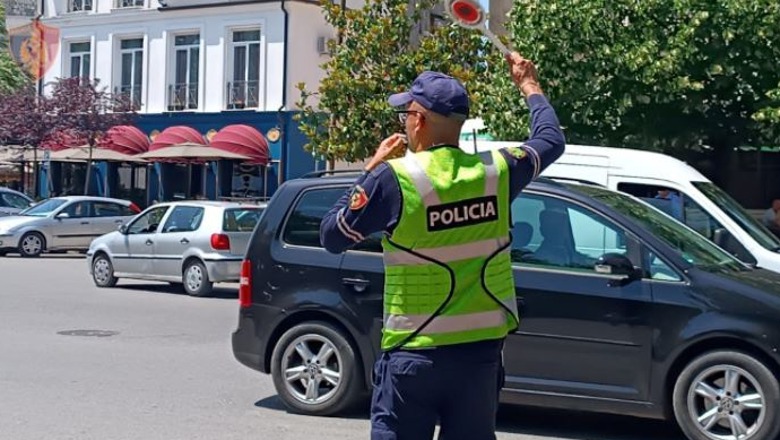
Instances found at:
x=322 y=45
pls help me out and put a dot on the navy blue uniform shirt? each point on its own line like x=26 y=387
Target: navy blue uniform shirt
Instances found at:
x=379 y=203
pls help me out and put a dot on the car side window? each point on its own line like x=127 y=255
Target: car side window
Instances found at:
x=550 y=232
x=303 y=224
x=108 y=209
x=184 y=219
x=13 y=201
x=659 y=270
x=675 y=203
x=77 y=210
x=147 y=222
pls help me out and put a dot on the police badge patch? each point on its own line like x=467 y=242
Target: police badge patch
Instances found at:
x=358 y=199
x=517 y=152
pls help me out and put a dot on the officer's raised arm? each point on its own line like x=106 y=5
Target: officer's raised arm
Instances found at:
x=546 y=143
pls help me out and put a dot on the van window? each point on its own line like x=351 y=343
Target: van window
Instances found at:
x=676 y=204
x=556 y=233
x=303 y=225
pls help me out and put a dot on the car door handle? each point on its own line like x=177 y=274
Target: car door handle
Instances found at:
x=184 y=241
x=84 y=223
x=358 y=284
x=118 y=221
x=149 y=242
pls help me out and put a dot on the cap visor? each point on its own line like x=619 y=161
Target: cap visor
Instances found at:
x=400 y=99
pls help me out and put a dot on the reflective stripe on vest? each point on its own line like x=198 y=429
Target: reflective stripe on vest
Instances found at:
x=425 y=188
x=449 y=324
x=447 y=254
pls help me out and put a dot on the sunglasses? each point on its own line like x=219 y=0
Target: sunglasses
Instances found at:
x=404 y=114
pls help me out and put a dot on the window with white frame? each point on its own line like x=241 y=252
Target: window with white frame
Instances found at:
x=119 y=4
x=244 y=85
x=183 y=92
x=80 y=58
x=131 y=52
x=79 y=5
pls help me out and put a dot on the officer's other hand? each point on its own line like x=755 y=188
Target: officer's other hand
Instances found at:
x=523 y=74
x=390 y=148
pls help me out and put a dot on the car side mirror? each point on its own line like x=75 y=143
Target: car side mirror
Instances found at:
x=122 y=229
x=62 y=215
x=618 y=264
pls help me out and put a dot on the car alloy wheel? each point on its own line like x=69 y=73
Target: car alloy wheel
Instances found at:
x=31 y=245
x=312 y=368
x=727 y=395
x=316 y=370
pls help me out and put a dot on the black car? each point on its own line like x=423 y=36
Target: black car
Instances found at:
x=623 y=310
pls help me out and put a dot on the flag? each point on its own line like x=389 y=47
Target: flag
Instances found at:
x=34 y=46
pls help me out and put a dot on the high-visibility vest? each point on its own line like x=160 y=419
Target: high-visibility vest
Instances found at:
x=448 y=273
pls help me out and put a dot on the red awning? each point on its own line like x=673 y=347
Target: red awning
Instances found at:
x=125 y=139
x=245 y=140
x=177 y=134
x=62 y=139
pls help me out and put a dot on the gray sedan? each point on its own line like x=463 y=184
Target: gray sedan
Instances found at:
x=195 y=243
x=62 y=223
x=13 y=202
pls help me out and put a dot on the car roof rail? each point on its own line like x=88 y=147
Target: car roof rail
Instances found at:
x=557 y=180
x=322 y=173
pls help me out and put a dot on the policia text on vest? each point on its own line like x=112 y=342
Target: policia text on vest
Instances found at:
x=463 y=213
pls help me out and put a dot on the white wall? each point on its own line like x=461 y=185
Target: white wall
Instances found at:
x=307 y=23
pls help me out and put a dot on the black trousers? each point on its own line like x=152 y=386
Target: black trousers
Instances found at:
x=456 y=386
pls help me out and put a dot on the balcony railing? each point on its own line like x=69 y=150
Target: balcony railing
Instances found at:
x=243 y=94
x=133 y=93
x=120 y=4
x=182 y=96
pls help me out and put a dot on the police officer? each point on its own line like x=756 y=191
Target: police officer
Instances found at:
x=449 y=298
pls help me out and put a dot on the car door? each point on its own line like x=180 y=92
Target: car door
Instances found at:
x=107 y=216
x=362 y=278
x=135 y=251
x=71 y=227
x=177 y=234
x=578 y=335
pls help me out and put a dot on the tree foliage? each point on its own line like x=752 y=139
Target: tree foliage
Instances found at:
x=657 y=74
x=11 y=76
x=347 y=115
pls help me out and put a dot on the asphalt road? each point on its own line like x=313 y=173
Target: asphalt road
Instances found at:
x=144 y=362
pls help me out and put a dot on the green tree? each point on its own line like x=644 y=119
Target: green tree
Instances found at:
x=655 y=74
x=348 y=115
x=11 y=77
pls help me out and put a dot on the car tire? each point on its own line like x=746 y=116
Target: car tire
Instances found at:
x=103 y=271
x=32 y=245
x=318 y=354
x=195 y=279
x=723 y=388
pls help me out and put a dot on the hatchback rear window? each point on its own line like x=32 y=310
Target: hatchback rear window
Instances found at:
x=241 y=219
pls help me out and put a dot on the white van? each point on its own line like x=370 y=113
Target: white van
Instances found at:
x=700 y=203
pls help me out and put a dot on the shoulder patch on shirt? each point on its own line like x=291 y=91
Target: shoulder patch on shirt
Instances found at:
x=517 y=152
x=358 y=199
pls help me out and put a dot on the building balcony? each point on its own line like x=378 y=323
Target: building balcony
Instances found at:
x=79 y=5
x=243 y=94
x=132 y=93
x=182 y=96
x=129 y=4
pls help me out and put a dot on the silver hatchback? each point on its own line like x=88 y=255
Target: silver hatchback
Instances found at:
x=195 y=243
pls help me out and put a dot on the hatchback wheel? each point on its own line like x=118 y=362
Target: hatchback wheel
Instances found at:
x=31 y=245
x=727 y=395
x=196 y=279
x=315 y=370
x=103 y=272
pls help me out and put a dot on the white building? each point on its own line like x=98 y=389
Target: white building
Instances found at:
x=192 y=55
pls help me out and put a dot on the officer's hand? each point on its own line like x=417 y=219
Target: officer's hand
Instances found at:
x=524 y=74
x=390 y=148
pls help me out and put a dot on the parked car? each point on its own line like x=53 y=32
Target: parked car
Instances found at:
x=62 y=223
x=195 y=243
x=623 y=310
x=703 y=205
x=13 y=202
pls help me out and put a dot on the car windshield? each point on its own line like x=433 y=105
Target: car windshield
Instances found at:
x=741 y=217
x=44 y=208
x=691 y=246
